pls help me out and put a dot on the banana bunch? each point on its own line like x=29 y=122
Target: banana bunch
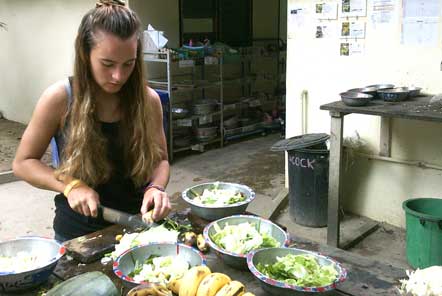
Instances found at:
x=200 y=281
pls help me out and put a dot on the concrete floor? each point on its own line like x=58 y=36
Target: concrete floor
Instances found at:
x=27 y=210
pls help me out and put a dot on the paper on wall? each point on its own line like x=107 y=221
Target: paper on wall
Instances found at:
x=354 y=29
x=352 y=8
x=383 y=11
x=326 y=10
x=351 y=48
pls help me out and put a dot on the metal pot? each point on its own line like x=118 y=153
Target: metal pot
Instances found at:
x=204 y=107
x=232 y=122
x=180 y=113
x=206 y=133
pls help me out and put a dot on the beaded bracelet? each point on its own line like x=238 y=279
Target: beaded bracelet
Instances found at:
x=158 y=187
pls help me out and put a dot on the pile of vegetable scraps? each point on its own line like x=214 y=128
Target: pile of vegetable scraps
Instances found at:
x=423 y=282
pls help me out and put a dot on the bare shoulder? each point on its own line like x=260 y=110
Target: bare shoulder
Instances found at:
x=153 y=96
x=54 y=98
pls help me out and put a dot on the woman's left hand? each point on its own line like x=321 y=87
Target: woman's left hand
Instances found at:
x=160 y=201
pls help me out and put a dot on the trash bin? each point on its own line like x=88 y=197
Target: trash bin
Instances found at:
x=308 y=163
x=423 y=222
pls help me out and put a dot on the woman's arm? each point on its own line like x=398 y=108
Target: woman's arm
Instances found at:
x=160 y=176
x=27 y=165
x=44 y=123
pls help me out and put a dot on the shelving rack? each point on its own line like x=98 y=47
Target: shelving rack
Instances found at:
x=172 y=88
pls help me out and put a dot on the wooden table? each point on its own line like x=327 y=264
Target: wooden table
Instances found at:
x=416 y=109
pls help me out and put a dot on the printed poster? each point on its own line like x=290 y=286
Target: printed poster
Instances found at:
x=353 y=8
x=354 y=29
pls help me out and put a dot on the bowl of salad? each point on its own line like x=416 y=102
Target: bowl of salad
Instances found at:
x=234 y=237
x=28 y=261
x=215 y=200
x=291 y=271
x=156 y=263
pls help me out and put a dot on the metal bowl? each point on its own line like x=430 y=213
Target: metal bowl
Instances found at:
x=180 y=113
x=365 y=90
x=355 y=99
x=216 y=212
x=394 y=95
x=46 y=250
x=235 y=260
x=414 y=91
x=275 y=287
x=125 y=263
x=204 y=107
x=381 y=86
x=206 y=133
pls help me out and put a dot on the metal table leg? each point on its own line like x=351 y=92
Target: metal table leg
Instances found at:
x=334 y=191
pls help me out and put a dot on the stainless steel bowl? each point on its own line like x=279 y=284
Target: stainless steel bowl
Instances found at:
x=204 y=107
x=414 y=91
x=47 y=251
x=381 y=86
x=206 y=133
x=355 y=99
x=365 y=90
x=274 y=287
x=180 y=113
x=394 y=95
x=125 y=263
x=239 y=261
x=216 y=212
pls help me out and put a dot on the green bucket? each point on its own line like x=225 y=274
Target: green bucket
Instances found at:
x=423 y=220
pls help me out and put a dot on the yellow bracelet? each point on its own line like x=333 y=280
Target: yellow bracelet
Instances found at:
x=74 y=183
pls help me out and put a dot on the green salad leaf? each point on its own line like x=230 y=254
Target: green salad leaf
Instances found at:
x=300 y=270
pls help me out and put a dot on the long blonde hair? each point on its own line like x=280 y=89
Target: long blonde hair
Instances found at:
x=85 y=154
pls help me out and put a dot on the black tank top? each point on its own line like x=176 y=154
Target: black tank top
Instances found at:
x=118 y=193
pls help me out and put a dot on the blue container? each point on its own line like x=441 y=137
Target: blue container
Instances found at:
x=164 y=97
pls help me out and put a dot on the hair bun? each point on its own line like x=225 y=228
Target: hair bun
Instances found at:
x=101 y=3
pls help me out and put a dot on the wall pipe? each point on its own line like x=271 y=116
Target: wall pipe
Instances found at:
x=416 y=163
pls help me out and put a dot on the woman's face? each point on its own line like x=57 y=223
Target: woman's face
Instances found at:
x=112 y=60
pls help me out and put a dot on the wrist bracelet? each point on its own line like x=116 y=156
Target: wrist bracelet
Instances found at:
x=158 y=187
x=73 y=184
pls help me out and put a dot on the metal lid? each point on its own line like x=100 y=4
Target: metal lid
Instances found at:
x=299 y=142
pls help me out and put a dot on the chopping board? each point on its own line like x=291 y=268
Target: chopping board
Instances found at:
x=91 y=247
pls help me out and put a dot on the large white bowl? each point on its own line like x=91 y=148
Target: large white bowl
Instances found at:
x=235 y=260
x=48 y=252
x=216 y=212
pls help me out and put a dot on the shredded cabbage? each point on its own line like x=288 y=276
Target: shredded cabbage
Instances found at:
x=242 y=238
x=300 y=270
x=423 y=282
x=23 y=261
x=160 y=269
x=219 y=197
x=155 y=234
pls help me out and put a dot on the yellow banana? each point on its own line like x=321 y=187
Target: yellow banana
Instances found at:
x=192 y=279
x=248 y=294
x=174 y=284
x=212 y=283
x=234 y=288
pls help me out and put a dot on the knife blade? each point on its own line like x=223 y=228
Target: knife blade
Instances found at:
x=123 y=218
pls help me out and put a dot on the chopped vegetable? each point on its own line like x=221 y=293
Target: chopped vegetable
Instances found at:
x=423 y=282
x=23 y=261
x=299 y=270
x=218 y=197
x=242 y=238
x=159 y=269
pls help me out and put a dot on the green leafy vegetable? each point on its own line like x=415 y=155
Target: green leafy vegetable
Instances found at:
x=299 y=270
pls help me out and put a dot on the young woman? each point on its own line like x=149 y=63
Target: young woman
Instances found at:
x=108 y=127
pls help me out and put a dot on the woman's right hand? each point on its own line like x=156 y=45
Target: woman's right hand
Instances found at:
x=84 y=200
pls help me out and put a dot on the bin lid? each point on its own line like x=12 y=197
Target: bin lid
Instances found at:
x=300 y=142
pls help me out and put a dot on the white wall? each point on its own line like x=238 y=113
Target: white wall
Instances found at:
x=36 y=51
x=371 y=188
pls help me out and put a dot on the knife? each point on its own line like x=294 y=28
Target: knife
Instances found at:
x=123 y=218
